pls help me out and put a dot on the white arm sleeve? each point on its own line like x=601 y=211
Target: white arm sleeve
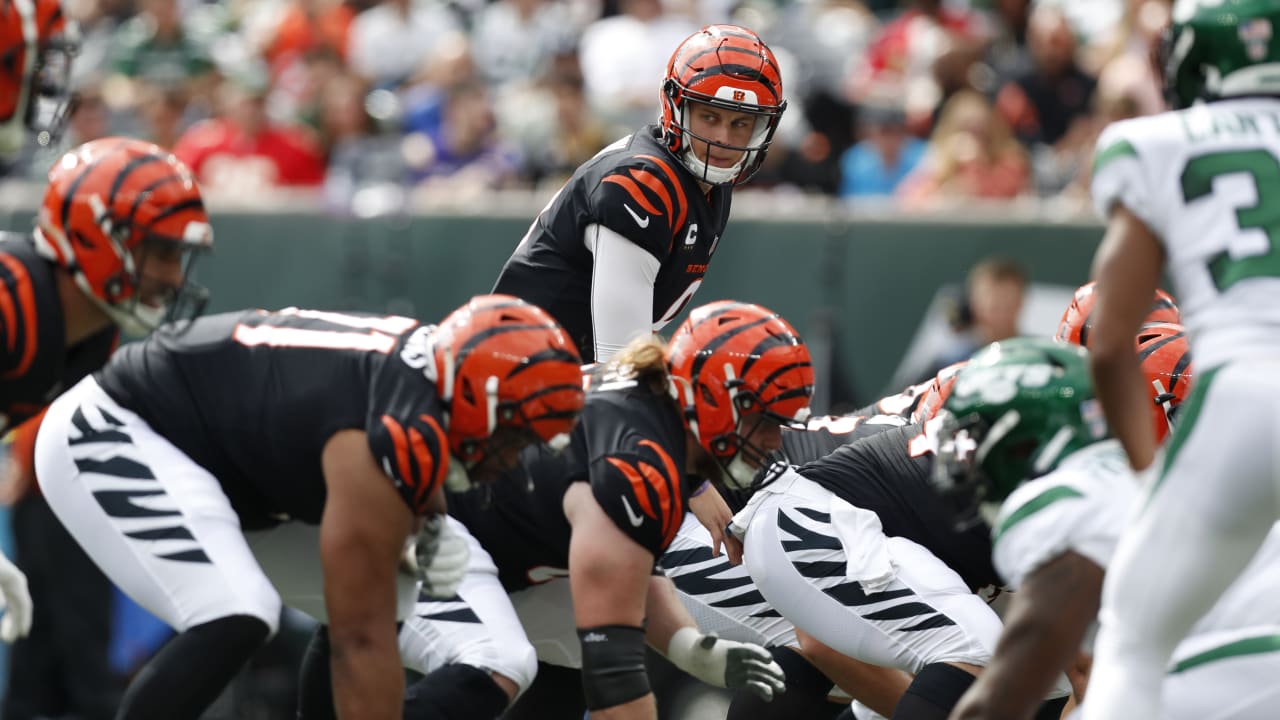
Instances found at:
x=621 y=290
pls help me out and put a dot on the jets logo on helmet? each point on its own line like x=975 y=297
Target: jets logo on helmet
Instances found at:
x=110 y=206
x=1221 y=48
x=1018 y=407
x=504 y=368
x=730 y=68
x=731 y=359
x=36 y=45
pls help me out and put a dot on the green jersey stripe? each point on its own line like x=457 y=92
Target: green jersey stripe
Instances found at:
x=1035 y=505
x=1188 y=413
x=1117 y=149
x=1246 y=646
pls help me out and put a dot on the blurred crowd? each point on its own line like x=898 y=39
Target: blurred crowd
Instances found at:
x=378 y=104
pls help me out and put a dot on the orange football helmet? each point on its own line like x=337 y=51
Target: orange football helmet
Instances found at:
x=729 y=359
x=112 y=204
x=36 y=45
x=1165 y=357
x=931 y=400
x=1077 y=319
x=504 y=364
x=728 y=67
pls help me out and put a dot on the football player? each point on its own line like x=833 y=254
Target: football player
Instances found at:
x=573 y=544
x=1188 y=192
x=623 y=246
x=31 y=38
x=116 y=237
x=1065 y=503
x=856 y=550
x=253 y=459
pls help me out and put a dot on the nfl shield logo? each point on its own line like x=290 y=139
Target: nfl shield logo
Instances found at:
x=1256 y=36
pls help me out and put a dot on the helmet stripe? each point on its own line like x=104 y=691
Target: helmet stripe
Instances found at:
x=1146 y=352
x=767 y=343
x=126 y=171
x=190 y=204
x=470 y=343
x=552 y=354
x=146 y=191
x=782 y=371
x=736 y=71
x=74 y=186
x=1179 y=368
x=753 y=52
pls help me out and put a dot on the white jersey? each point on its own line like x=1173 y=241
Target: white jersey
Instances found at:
x=1084 y=505
x=1206 y=180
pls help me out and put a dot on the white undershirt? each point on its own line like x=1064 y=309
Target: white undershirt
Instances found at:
x=622 y=282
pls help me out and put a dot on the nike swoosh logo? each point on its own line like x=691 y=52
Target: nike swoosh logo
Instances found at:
x=635 y=518
x=642 y=223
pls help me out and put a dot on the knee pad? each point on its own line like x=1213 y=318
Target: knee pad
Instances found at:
x=455 y=692
x=934 y=692
x=613 y=670
x=802 y=675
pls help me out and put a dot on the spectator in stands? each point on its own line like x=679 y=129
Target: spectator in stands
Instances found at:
x=622 y=55
x=987 y=312
x=464 y=156
x=905 y=51
x=884 y=154
x=162 y=112
x=971 y=154
x=516 y=41
x=284 y=32
x=390 y=41
x=155 y=48
x=242 y=150
x=1043 y=103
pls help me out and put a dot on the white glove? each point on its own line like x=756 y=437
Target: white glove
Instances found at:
x=442 y=558
x=726 y=663
x=13 y=595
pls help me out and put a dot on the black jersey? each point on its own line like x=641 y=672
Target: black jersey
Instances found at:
x=888 y=473
x=636 y=188
x=254 y=396
x=821 y=436
x=629 y=444
x=37 y=365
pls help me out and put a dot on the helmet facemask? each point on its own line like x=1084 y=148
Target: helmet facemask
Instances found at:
x=685 y=103
x=741 y=459
x=976 y=460
x=138 y=301
x=51 y=101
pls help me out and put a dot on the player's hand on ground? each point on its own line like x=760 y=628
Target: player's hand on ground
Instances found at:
x=727 y=663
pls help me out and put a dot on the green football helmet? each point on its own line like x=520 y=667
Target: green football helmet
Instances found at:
x=1221 y=48
x=1016 y=410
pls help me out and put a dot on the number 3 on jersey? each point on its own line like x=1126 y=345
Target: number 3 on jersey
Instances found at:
x=1228 y=268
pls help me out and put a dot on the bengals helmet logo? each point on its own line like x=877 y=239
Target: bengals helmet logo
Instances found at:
x=739 y=96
